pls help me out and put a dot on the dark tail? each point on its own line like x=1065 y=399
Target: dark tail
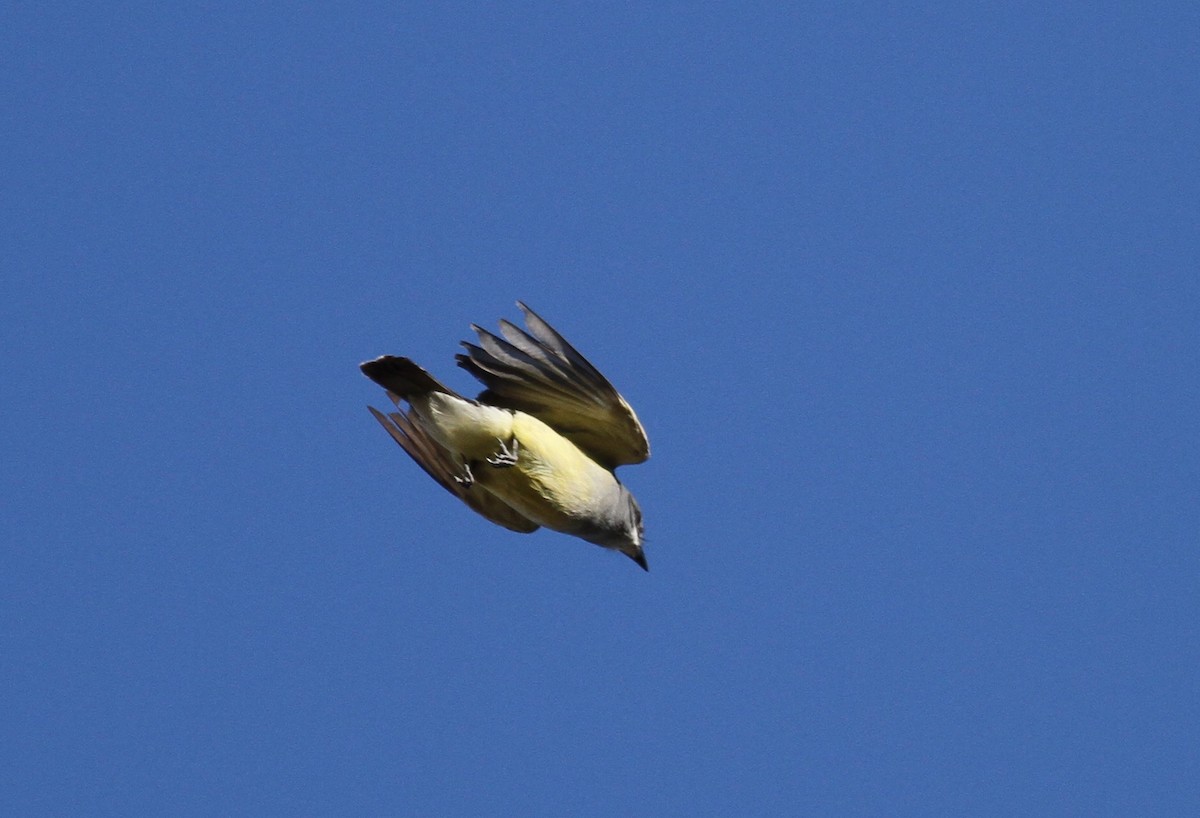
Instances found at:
x=401 y=376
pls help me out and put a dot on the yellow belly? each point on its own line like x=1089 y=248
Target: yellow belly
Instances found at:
x=467 y=429
x=553 y=482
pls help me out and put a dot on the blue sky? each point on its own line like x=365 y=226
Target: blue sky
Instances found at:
x=905 y=295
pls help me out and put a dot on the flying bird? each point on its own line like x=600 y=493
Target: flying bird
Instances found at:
x=538 y=447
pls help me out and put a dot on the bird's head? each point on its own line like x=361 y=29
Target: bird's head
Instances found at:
x=619 y=528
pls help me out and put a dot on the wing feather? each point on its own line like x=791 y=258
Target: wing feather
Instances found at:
x=536 y=370
x=439 y=464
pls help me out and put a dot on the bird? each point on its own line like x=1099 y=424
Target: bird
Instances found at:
x=538 y=447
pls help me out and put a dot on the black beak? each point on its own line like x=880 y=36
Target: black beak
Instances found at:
x=640 y=559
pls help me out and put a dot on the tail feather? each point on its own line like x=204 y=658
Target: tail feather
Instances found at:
x=401 y=376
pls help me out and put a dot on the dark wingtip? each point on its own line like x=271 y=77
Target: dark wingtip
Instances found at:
x=640 y=559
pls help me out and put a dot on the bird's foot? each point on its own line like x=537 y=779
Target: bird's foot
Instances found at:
x=507 y=456
x=466 y=479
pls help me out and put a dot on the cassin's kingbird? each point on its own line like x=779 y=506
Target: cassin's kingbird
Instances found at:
x=537 y=447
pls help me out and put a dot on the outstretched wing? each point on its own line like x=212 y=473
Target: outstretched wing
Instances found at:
x=442 y=467
x=538 y=372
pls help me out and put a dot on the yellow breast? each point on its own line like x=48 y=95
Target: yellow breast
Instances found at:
x=553 y=481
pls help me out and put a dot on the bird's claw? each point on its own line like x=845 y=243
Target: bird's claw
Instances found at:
x=466 y=479
x=507 y=456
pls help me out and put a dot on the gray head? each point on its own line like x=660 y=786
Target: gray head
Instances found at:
x=619 y=527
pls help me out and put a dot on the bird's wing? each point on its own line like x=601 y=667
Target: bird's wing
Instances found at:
x=538 y=372
x=442 y=467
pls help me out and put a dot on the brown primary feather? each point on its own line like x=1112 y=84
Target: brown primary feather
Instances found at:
x=540 y=373
x=439 y=464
